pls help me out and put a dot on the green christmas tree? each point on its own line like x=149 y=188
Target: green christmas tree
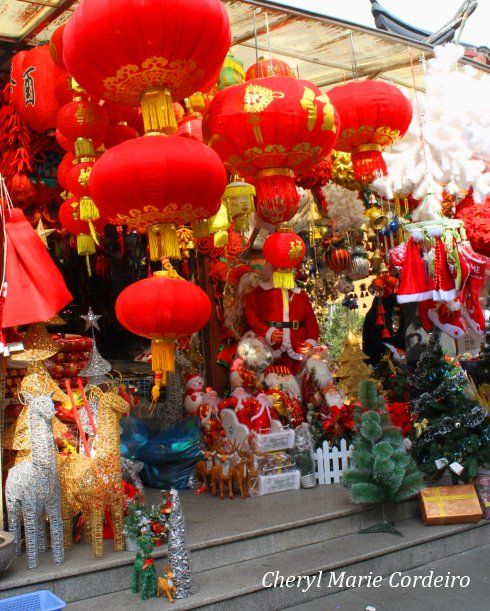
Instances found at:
x=452 y=429
x=381 y=470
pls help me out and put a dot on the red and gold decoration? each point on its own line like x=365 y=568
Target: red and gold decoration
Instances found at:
x=269 y=67
x=177 y=48
x=272 y=130
x=337 y=258
x=83 y=123
x=85 y=232
x=285 y=251
x=163 y=308
x=155 y=183
x=232 y=72
x=373 y=114
x=123 y=122
x=239 y=200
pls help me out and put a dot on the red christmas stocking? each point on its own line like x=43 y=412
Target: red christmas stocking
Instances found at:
x=471 y=308
x=447 y=316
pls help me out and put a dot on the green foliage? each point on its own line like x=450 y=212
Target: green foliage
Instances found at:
x=393 y=377
x=458 y=429
x=380 y=469
x=336 y=327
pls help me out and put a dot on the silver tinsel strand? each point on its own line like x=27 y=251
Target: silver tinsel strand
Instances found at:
x=178 y=551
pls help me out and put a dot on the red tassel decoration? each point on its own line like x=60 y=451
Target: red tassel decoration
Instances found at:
x=381 y=309
x=368 y=164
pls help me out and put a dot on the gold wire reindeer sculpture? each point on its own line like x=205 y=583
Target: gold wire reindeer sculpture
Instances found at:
x=92 y=484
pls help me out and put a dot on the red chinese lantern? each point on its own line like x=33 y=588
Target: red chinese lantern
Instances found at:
x=152 y=51
x=77 y=177
x=115 y=134
x=191 y=127
x=163 y=308
x=16 y=88
x=63 y=169
x=269 y=67
x=56 y=46
x=272 y=129
x=84 y=232
x=338 y=259
x=155 y=182
x=119 y=114
x=63 y=90
x=82 y=122
x=373 y=114
x=39 y=107
x=284 y=250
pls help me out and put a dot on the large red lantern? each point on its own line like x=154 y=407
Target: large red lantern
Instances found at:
x=155 y=182
x=269 y=67
x=39 y=106
x=134 y=52
x=285 y=251
x=373 y=114
x=163 y=308
x=271 y=130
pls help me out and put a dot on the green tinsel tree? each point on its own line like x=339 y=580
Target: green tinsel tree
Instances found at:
x=381 y=470
x=451 y=426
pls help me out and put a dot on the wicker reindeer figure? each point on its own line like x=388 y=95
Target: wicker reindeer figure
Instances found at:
x=32 y=489
x=222 y=472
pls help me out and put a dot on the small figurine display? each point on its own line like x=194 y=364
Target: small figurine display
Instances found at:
x=144 y=573
x=165 y=584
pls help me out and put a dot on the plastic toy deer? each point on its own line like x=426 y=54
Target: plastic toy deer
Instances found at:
x=222 y=472
x=204 y=468
x=240 y=472
x=165 y=585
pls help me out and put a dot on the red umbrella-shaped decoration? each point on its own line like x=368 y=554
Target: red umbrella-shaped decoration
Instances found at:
x=134 y=52
x=373 y=115
x=39 y=106
x=163 y=308
x=156 y=182
x=271 y=130
x=285 y=251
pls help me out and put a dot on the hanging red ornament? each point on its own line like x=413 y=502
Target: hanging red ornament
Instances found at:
x=175 y=49
x=269 y=67
x=83 y=123
x=84 y=232
x=63 y=89
x=63 y=169
x=56 y=46
x=191 y=127
x=115 y=134
x=39 y=106
x=284 y=250
x=385 y=334
x=338 y=259
x=154 y=183
x=271 y=130
x=373 y=114
x=16 y=81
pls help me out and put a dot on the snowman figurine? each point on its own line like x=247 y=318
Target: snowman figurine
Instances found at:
x=194 y=392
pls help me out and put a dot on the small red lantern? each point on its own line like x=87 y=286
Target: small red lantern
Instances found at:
x=373 y=114
x=151 y=51
x=63 y=90
x=272 y=129
x=63 y=169
x=77 y=177
x=39 y=107
x=269 y=67
x=285 y=251
x=56 y=46
x=163 y=308
x=16 y=84
x=191 y=127
x=82 y=122
x=338 y=259
x=115 y=134
x=154 y=182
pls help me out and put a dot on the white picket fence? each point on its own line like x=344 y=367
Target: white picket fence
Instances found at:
x=331 y=463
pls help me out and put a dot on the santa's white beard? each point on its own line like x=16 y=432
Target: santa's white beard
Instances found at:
x=320 y=369
x=286 y=383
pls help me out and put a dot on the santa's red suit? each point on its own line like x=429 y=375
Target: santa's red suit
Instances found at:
x=268 y=309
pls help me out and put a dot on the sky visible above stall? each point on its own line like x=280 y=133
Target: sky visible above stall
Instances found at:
x=427 y=15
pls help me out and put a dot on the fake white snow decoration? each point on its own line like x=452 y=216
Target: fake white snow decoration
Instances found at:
x=344 y=208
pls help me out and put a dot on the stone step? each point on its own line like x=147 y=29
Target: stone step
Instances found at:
x=220 y=533
x=237 y=587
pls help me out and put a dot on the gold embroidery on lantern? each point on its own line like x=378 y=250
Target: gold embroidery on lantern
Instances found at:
x=383 y=135
x=85 y=115
x=295 y=250
x=256 y=98
x=84 y=176
x=328 y=124
x=308 y=103
x=130 y=80
x=142 y=220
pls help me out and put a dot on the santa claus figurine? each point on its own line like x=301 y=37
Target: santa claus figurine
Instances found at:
x=194 y=393
x=285 y=392
x=284 y=318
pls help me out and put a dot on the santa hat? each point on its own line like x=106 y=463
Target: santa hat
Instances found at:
x=281 y=370
x=415 y=283
x=236 y=273
x=191 y=375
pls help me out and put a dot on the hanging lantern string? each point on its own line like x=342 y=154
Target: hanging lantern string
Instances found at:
x=420 y=119
x=268 y=42
x=353 y=57
x=256 y=10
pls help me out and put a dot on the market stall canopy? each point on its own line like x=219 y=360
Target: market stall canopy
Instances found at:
x=321 y=49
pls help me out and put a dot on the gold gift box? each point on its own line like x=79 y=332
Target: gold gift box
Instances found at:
x=450 y=505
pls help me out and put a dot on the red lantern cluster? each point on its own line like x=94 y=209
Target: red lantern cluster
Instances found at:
x=373 y=115
x=284 y=250
x=82 y=124
x=271 y=130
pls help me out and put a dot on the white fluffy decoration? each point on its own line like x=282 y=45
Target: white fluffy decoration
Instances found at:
x=254 y=352
x=344 y=208
x=456 y=127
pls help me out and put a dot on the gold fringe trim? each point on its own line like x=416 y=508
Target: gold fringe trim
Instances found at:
x=84 y=147
x=162 y=354
x=221 y=238
x=88 y=209
x=283 y=279
x=200 y=229
x=85 y=244
x=164 y=242
x=158 y=111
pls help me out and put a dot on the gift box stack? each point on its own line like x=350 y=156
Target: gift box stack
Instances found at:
x=74 y=351
x=450 y=505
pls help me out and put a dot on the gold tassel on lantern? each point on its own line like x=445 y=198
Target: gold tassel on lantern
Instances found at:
x=88 y=209
x=85 y=244
x=162 y=354
x=239 y=200
x=195 y=103
x=158 y=111
x=84 y=147
x=200 y=229
x=283 y=279
x=164 y=242
x=218 y=225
